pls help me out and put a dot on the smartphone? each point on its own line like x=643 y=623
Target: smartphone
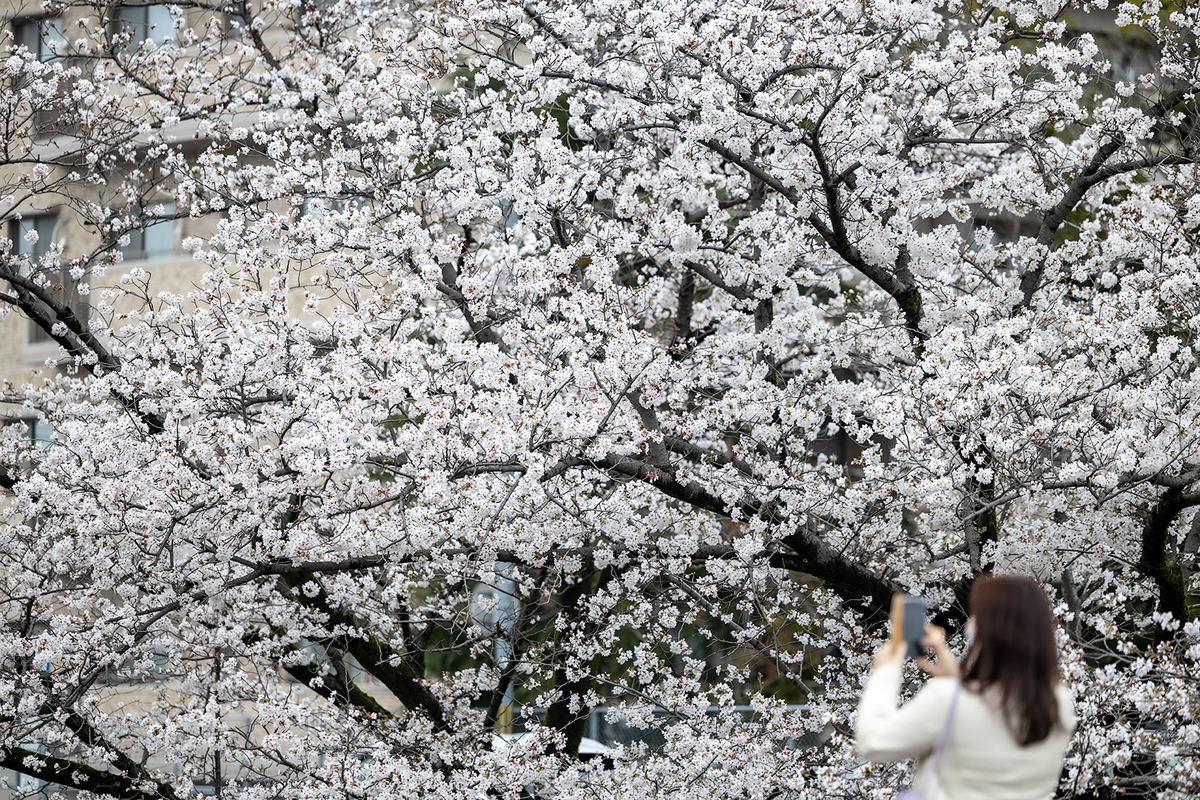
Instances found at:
x=908 y=622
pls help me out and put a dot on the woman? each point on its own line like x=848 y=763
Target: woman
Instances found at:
x=1010 y=717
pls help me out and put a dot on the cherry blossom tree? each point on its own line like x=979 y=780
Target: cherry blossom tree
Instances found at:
x=550 y=357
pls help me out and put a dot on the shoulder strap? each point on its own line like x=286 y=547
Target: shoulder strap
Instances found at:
x=938 y=757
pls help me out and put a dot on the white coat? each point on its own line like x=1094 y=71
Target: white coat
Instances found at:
x=983 y=760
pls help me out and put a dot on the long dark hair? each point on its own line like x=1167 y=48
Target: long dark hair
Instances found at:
x=1014 y=650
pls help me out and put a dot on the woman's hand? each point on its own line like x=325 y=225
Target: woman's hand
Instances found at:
x=944 y=664
x=890 y=653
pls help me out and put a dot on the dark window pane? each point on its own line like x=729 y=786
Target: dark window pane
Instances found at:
x=41 y=37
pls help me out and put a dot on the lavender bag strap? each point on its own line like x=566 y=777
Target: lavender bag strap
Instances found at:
x=938 y=757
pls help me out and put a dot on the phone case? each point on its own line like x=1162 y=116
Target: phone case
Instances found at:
x=908 y=623
x=897 y=618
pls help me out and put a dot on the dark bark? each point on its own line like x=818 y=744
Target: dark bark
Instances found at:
x=899 y=281
x=1097 y=171
x=559 y=716
x=859 y=587
x=1158 y=562
x=517 y=637
x=392 y=667
x=686 y=297
x=805 y=550
x=46 y=311
x=483 y=331
x=81 y=777
x=334 y=687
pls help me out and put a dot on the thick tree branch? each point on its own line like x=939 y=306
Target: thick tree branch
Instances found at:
x=559 y=715
x=704 y=456
x=898 y=281
x=516 y=637
x=654 y=445
x=685 y=302
x=718 y=280
x=1096 y=172
x=47 y=312
x=392 y=667
x=810 y=554
x=79 y=776
x=484 y=467
x=753 y=169
x=335 y=687
x=858 y=586
x=88 y=734
x=1157 y=562
x=660 y=478
x=448 y=286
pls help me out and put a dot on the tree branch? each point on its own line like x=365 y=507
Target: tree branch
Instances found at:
x=341 y=691
x=448 y=286
x=45 y=311
x=1092 y=174
x=376 y=656
x=899 y=283
x=857 y=585
x=1157 y=563
x=79 y=776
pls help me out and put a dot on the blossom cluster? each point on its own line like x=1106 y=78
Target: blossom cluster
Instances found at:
x=598 y=356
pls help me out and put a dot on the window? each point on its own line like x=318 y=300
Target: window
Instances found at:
x=321 y=207
x=41 y=37
x=38 y=245
x=333 y=217
x=43 y=228
x=156 y=237
x=39 y=432
x=44 y=39
x=15 y=462
x=143 y=24
x=1003 y=227
x=33 y=238
x=146 y=666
